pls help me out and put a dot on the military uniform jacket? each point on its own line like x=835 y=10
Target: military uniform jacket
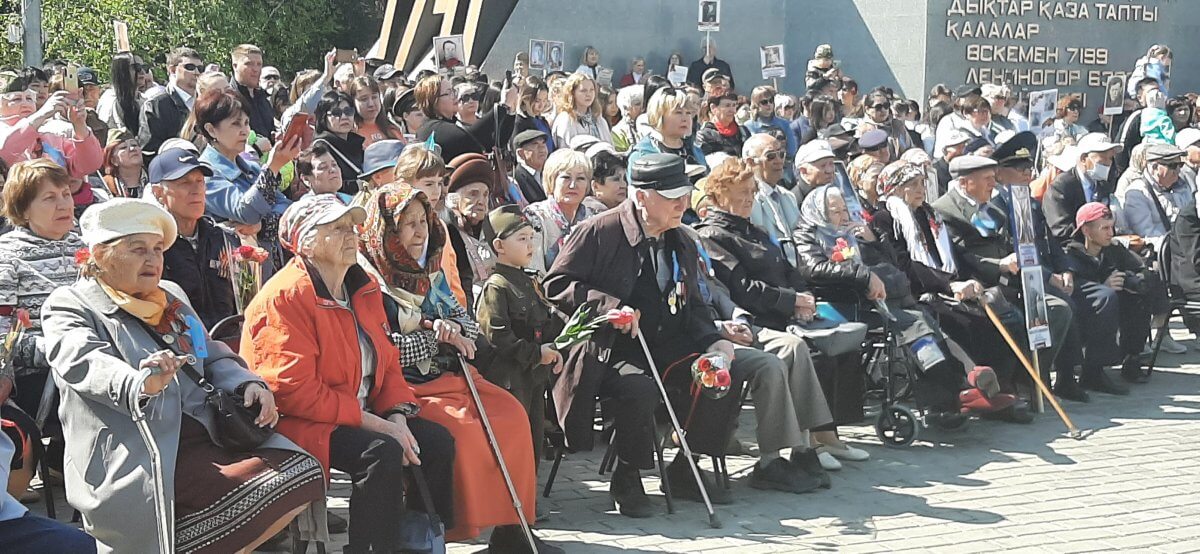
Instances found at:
x=517 y=321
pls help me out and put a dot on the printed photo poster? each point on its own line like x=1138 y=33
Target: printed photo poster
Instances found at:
x=677 y=75
x=1042 y=104
x=710 y=16
x=121 y=36
x=604 y=76
x=537 y=54
x=1023 y=232
x=771 y=58
x=1114 y=95
x=554 y=55
x=1037 y=318
x=448 y=51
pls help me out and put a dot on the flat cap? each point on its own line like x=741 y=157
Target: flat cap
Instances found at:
x=812 y=151
x=835 y=130
x=665 y=174
x=1163 y=153
x=527 y=136
x=1017 y=150
x=710 y=74
x=121 y=217
x=965 y=165
x=502 y=222
x=873 y=140
x=1187 y=137
x=968 y=90
x=385 y=72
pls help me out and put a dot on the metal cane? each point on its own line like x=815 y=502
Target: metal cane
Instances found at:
x=487 y=428
x=713 y=521
x=1037 y=378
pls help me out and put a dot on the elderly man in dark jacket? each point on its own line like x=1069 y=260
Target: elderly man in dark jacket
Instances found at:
x=632 y=259
x=199 y=263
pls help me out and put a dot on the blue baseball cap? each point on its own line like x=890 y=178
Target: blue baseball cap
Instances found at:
x=379 y=156
x=175 y=163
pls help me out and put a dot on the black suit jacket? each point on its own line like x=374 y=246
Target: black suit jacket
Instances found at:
x=162 y=118
x=262 y=114
x=1063 y=198
x=530 y=187
x=697 y=68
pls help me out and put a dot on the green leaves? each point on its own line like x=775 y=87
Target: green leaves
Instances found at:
x=579 y=329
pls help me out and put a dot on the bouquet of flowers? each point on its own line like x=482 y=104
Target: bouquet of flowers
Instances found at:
x=244 y=264
x=842 y=251
x=582 y=326
x=710 y=373
x=18 y=323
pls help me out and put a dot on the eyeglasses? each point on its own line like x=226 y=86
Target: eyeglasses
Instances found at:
x=197 y=67
x=468 y=98
x=879 y=107
x=1073 y=108
x=774 y=155
x=268 y=77
x=341 y=112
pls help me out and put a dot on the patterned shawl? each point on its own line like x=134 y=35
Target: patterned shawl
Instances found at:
x=380 y=240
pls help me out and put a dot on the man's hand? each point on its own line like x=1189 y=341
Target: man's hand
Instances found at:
x=1009 y=264
x=966 y=290
x=724 y=348
x=876 y=291
x=631 y=328
x=806 y=306
x=737 y=332
x=552 y=357
x=1066 y=281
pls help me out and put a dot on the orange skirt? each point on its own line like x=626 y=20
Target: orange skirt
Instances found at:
x=481 y=499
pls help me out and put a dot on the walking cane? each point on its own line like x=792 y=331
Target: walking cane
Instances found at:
x=1037 y=378
x=487 y=428
x=713 y=521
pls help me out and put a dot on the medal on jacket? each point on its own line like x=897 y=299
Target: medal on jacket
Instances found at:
x=675 y=297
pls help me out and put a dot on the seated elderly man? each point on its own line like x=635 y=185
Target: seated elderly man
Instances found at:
x=776 y=209
x=1109 y=274
x=815 y=167
x=633 y=260
x=1089 y=182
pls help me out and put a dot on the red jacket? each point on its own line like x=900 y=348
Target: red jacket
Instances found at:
x=305 y=346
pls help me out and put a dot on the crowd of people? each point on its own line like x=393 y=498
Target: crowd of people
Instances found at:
x=362 y=263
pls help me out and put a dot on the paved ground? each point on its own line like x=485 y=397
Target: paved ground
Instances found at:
x=1133 y=484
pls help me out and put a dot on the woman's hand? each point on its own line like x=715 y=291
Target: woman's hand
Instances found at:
x=282 y=153
x=875 y=290
x=268 y=415
x=56 y=103
x=806 y=306
x=552 y=357
x=446 y=330
x=966 y=290
x=399 y=430
x=512 y=94
x=865 y=233
x=330 y=67
x=77 y=115
x=163 y=365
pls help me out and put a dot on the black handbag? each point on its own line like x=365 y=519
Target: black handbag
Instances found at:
x=236 y=429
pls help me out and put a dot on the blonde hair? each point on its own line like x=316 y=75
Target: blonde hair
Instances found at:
x=566 y=96
x=562 y=161
x=665 y=101
x=417 y=163
x=241 y=51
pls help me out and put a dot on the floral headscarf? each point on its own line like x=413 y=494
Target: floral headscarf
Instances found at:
x=896 y=174
x=380 y=239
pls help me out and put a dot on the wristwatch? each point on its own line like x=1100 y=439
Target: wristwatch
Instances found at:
x=406 y=409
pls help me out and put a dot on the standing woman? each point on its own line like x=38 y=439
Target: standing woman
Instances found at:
x=400 y=246
x=335 y=115
x=241 y=191
x=121 y=108
x=589 y=63
x=436 y=98
x=578 y=112
x=674 y=62
x=116 y=340
x=535 y=97
x=124 y=174
x=373 y=123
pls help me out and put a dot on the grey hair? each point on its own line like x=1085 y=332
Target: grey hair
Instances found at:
x=629 y=96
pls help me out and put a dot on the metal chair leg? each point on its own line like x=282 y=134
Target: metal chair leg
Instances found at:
x=44 y=470
x=298 y=546
x=662 y=468
x=559 y=452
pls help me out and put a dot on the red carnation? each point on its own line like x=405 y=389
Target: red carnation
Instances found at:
x=723 y=378
x=620 y=317
x=82 y=256
x=23 y=320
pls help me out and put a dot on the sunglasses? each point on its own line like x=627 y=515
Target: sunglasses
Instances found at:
x=341 y=112
x=774 y=155
x=1173 y=166
x=766 y=101
x=879 y=107
x=468 y=98
x=195 y=67
x=19 y=96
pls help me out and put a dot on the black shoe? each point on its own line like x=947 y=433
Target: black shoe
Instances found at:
x=780 y=475
x=1100 y=382
x=1132 y=371
x=1070 y=390
x=508 y=539
x=683 y=484
x=948 y=421
x=337 y=524
x=806 y=460
x=1017 y=413
x=627 y=493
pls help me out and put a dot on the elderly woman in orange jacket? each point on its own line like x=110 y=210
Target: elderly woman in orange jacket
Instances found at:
x=318 y=335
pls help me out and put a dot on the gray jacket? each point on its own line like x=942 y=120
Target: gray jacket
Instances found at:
x=1140 y=212
x=121 y=452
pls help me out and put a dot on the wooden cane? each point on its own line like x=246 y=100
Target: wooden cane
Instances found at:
x=1037 y=378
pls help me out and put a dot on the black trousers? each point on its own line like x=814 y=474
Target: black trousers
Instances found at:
x=1105 y=312
x=844 y=385
x=633 y=399
x=373 y=461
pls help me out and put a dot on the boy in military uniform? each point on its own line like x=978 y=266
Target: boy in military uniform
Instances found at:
x=515 y=317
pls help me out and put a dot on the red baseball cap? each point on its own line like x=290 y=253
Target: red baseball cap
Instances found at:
x=1089 y=212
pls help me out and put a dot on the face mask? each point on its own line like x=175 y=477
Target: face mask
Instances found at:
x=1099 y=173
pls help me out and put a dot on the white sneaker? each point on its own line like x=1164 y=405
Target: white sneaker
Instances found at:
x=1171 y=347
x=828 y=462
x=848 y=453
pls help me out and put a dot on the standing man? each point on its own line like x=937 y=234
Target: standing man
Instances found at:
x=162 y=117
x=270 y=78
x=247 y=71
x=90 y=91
x=708 y=61
x=634 y=261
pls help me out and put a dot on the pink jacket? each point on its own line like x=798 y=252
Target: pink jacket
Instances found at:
x=21 y=141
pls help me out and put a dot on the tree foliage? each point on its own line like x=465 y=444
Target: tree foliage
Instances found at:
x=292 y=33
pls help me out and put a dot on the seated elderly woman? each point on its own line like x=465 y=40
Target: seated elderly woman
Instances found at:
x=141 y=464
x=469 y=190
x=400 y=245
x=317 y=334
x=566 y=177
x=848 y=264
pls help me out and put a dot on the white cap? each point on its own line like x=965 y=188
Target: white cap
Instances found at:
x=1067 y=159
x=121 y=217
x=956 y=137
x=1095 y=142
x=270 y=70
x=1187 y=137
x=589 y=145
x=812 y=151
